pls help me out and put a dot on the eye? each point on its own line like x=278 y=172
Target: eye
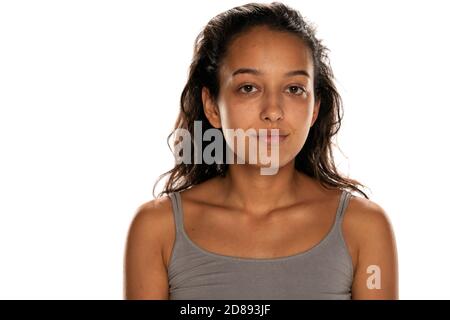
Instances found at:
x=297 y=90
x=246 y=88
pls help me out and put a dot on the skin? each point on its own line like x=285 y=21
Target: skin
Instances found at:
x=247 y=214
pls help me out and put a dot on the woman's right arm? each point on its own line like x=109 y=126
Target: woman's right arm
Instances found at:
x=145 y=275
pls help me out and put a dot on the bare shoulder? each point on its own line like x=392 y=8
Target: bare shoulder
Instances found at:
x=145 y=269
x=154 y=220
x=369 y=231
x=153 y=215
x=365 y=218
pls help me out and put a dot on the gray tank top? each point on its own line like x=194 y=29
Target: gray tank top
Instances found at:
x=324 y=271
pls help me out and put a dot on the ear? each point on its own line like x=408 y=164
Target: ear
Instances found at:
x=210 y=108
x=315 y=112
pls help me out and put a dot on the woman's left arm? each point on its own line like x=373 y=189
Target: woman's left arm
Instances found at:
x=376 y=272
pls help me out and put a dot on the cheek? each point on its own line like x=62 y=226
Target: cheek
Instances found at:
x=302 y=116
x=300 y=120
x=302 y=134
x=237 y=116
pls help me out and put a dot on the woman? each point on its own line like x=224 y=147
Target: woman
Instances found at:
x=224 y=230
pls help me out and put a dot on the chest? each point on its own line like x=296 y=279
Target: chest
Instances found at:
x=290 y=234
x=283 y=233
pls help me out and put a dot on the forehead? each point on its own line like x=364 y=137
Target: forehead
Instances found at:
x=267 y=49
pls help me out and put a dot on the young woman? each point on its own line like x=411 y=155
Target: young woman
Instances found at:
x=227 y=231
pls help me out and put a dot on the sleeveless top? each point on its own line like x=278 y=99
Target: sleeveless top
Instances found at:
x=324 y=271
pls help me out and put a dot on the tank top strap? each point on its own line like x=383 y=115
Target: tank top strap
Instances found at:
x=343 y=203
x=177 y=210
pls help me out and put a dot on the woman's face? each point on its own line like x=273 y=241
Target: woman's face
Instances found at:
x=266 y=82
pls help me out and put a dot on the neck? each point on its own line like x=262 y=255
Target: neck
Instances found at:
x=258 y=194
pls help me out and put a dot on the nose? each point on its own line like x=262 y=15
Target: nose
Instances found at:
x=272 y=110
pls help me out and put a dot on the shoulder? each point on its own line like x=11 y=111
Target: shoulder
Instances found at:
x=365 y=219
x=152 y=215
x=369 y=230
x=145 y=270
x=152 y=224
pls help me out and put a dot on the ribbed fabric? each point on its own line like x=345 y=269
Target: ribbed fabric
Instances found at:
x=324 y=271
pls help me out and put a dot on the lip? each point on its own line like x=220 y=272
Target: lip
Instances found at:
x=272 y=138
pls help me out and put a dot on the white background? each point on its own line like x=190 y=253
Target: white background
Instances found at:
x=89 y=91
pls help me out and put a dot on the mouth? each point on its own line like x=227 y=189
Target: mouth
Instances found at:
x=269 y=138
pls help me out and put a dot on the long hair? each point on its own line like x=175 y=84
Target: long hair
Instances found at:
x=316 y=157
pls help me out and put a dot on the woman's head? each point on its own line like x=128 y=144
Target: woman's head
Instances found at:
x=289 y=87
x=266 y=81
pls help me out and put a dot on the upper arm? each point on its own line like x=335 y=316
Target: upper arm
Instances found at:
x=145 y=275
x=376 y=273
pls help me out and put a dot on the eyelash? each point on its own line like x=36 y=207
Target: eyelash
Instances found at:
x=250 y=85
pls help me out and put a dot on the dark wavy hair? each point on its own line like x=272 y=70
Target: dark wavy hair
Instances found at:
x=315 y=158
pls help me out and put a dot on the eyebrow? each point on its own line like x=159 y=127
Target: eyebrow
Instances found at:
x=257 y=72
